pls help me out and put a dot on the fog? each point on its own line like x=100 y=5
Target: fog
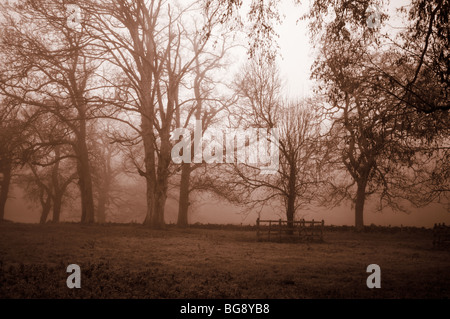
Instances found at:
x=216 y=212
x=109 y=166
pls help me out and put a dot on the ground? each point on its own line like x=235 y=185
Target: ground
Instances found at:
x=131 y=261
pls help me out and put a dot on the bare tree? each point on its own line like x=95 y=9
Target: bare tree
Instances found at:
x=380 y=140
x=54 y=74
x=146 y=40
x=207 y=105
x=52 y=162
x=14 y=146
x=48 y=185
x=106 y=171
x=302 y=151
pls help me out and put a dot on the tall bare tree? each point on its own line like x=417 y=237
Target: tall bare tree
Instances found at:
x=147 y=41
x=107 y=169
x=207 y=105
x=55 y=74
x=48 y=184
x=14 y=146
x=302 y=150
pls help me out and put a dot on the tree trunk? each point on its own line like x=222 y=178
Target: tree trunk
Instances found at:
x=104 y=186
x=359 y=205
x=46 y=205
x=5 y=184
x=57 y=193
x=150 y=202
x=57 y=203
x=160 y=197
x=162 y=180
x=183 y=206
x=290 y=212
x=160 y=202
x=290 y=209
x=149 y=174
x=85 y=182
x=101 y=206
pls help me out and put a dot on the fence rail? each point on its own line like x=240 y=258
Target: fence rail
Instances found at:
x=441 y=235
x=277 y=230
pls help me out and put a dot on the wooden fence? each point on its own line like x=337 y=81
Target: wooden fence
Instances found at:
x=441 y=235
x=279 y=230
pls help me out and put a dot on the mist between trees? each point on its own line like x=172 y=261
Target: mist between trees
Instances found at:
x=92 y=94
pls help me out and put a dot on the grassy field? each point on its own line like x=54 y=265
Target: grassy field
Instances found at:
x=130 y=261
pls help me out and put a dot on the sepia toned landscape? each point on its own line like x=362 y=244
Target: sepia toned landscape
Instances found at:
x=222 y=149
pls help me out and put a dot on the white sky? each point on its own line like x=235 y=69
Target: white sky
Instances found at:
x=295 y=48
